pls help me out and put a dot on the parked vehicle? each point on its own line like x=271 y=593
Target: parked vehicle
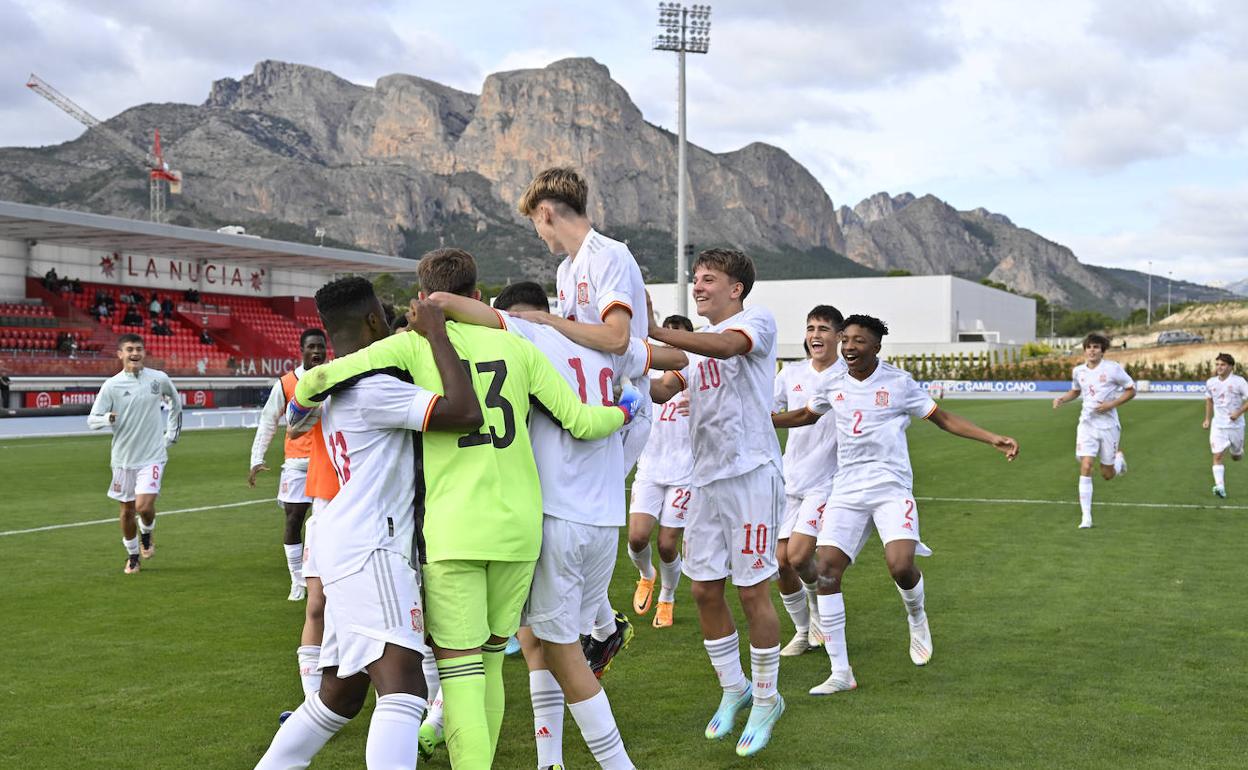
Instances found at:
x=1178 y=337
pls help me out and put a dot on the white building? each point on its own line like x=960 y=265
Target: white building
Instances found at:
x=935 y=314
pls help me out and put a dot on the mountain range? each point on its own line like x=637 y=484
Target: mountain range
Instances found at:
x=410 y=164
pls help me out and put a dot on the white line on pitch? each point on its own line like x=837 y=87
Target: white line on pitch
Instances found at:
x=113 y=520
x=1073 y=502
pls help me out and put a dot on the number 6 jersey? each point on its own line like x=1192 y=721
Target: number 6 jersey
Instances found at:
x=871 y=419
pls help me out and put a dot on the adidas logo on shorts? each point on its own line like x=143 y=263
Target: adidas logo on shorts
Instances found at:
x=812 y=522
x=758 y=564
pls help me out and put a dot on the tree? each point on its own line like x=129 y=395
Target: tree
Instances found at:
x=1077 y=323
x=897 y=273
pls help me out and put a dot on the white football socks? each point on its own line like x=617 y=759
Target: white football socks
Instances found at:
x=642 y=561
x=669 y=575
x=294 y=559
x=913 y=599
x=433 y=680
x=812 y=600
x=302 y=735
x=600 y=732
x=132 y=545
x=1219 y=475
x=394 y=732
x=725 y=657
x=604 y=623
x=146 y=529
x=309 y=674
x=832 y=624
x=547 y=700
x=1085 y=497
x=799 y=611
x=765 y=670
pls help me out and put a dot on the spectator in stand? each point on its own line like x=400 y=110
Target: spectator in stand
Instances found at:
x=102 y=311
x=153 y=308
x=205 y=338
x=132 y=317
x=192 y=295
x=75 y=286
x=51 y=280
x=4 y=391
x=166 y=307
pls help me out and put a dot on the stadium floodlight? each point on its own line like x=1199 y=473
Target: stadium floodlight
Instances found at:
x=684 y=30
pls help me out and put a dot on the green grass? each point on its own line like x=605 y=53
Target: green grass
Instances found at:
x=1119 y=646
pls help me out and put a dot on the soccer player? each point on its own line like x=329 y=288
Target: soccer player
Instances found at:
x=130 y=402
x=872 y=403
x=738 y=491
x=368 y=538
x=292 y=489
x=583 y=506
x=1105 y=386
x=602 y=304
x=1226 y=400
x=809 y=464
x=662 y=489
x=482 y=501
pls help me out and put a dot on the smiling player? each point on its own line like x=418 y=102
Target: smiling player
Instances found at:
x=1226 y=400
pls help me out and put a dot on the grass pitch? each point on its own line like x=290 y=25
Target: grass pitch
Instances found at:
x=1119 y=646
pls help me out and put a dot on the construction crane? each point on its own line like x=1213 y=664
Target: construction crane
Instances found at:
x=159 y=173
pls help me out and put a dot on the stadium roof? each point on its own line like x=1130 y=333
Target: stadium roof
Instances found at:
x=19 y=221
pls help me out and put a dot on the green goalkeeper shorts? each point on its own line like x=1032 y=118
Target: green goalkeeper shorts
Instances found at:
x=467 y=601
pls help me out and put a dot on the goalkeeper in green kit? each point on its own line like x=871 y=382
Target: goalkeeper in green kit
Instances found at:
x=482 y=499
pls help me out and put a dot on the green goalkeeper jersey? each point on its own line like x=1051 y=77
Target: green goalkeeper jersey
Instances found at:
x=482 y=495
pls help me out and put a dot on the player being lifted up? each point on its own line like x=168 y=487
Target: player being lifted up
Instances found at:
x=809 y=464
x=1105 y=386
x=738 y=491
x=130 y=402
x=662 y=489
x=872 y=403
x=482 y=503
x=602 y=303
x=583 y=505
x=368 y=535
x=1226 y=400
x=292 y=489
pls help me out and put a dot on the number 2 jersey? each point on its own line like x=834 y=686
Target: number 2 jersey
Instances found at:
x=730 y=427
x=367 y=430
x=582 y=481
x=668 y=459
x=871 y=420
x=482 y=498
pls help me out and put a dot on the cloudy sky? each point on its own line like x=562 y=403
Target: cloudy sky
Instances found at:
x=1116 y=127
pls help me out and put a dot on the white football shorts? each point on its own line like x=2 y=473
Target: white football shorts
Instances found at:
x=369 y=609
x=309 y=540
x=803 y=514
x=670 y=505
x=731 y=530
x=1222 y=439
x=570 y=580
x=130 y=482
x=292 y=487
x=1101 y=443
x=888 y=509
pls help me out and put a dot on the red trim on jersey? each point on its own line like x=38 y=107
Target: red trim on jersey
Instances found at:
x=424 y=426
x=612 y=306
x=684 y=384
x=745 y=334
x=932 y=411
x=647 y=344
x=502 y=319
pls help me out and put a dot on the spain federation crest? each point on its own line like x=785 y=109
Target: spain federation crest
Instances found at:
x=881 y=397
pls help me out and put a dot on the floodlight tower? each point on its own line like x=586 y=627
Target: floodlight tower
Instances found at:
x=685 y=30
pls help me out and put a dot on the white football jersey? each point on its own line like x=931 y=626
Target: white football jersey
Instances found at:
x=582 y=481
x=149 y=416
x=668 y=459
x=367 y=430
x=810 y=452
x=730 y=402
x=601 y=275
x=1105 y=383
x=871 y=420
x=1227 y=396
